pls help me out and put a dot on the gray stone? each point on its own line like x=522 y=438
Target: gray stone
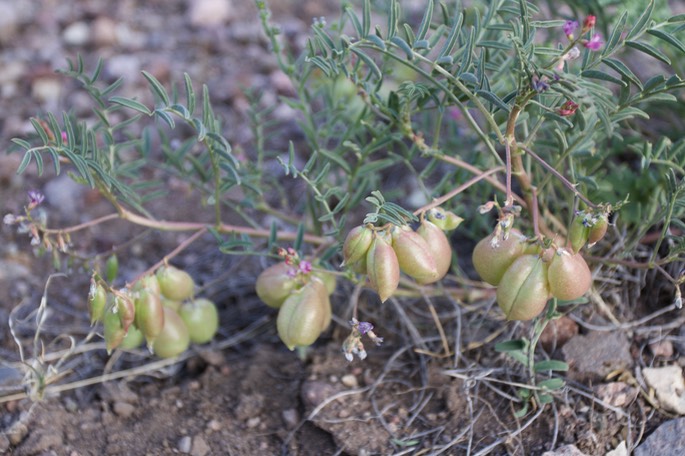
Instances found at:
x=184 y=444
x=593 y=356
x=200 y=447
x=667 y=440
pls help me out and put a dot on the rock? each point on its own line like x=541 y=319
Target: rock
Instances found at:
x=209 y=13
x=557 y=333
x=620 y=450
x=662 y=349
x=17 y=433
x=104 y=31
x=39 y=442
x=123 y=409
x=617 y=394
x=315 y=392
x=10 y=20
x=566 y=450
x=64 y=194
x=669 y=385
x=667 y=440
x=350 y=381
x=290 y=418
x=76 y=34
x=593 y=356
x=4 y=444
x=200 y=447
x=184 y=444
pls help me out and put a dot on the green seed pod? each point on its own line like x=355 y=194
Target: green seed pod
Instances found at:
x=598 y=229
x=201 y=318
x=113 y=329
x=97 y=301
x=171 y=304
x=175 y=283
x=274 y=285
x=149 y=314
x=174 y=338
x=304 y=315
x=328 y=280
x=111 y=268
x=492 y=257
x=382 y=266
x=438 y=246
x=357 y=244
x=523 y=291
x=578 y=233
x=414 y=255
x=438 y=216
x=569 y=276
x=359 y=267
x=149 y=282
x=134 y=338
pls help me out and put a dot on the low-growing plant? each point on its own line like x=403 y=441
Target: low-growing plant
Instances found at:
x=498 y=108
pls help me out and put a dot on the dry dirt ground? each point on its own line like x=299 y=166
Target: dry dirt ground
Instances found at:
x=245 y=393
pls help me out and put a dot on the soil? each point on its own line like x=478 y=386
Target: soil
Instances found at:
x=245 y=393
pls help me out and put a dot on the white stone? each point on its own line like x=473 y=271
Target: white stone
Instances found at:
x=669 y=386
x=209 y=13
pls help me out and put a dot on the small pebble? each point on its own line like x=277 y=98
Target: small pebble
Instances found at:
x=253 y=422
x=184 y=444
x=290 y=417
x=214 y=425
x=123 y=409
x=349 y=381
x=200 y=447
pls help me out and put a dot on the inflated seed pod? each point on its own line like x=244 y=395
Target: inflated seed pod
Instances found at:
x=133 y=339
x=356 y=244
x=414 y=256
x=303 y=315
x=569 y=276
x=149 y=314
x=438 y=245
x=201 y=318
x=523 y=291
x=578 y=233
x=149 y=282
x=174 y=338
x=274 y=284
x=97 y=300
x=175 y=283
x=113 y=329
x=125 y=308
x=598 y=229
x=111 y=268
x=492 y=257
x=382 y=267
x=328 y=280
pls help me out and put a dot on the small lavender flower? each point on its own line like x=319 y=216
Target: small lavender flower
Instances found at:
x=595 y=43
x=539 y=85
x=569 y=27
x=9 y=219
x=364 y=327
x=305 y=267
x=35 y=198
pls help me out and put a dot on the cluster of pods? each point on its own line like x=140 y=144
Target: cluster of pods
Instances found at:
x=381 y=253
x=159 y=308
x=527 y=275
x=302 y=297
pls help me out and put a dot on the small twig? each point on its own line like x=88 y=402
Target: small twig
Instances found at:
x=558 y=175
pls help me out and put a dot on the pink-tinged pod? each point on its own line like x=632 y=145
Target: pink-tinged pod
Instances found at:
x=149 y=314
x=149 y=282
x=598 y=229
x=569 y=276
x=578 y=234
x=357 y=244
x=274 y=284
x=438 y=246
x=414 y=255
x=493 y=256
x=126 y=309
x=523 y=291
x=383 y=267
x=303 y=315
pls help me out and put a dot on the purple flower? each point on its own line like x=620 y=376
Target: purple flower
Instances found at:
x=567 y=109
x=305 y=267
x=570 y=27
x=364 y=327
x=539 y=85
x=35 y=198
x=595 y=43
